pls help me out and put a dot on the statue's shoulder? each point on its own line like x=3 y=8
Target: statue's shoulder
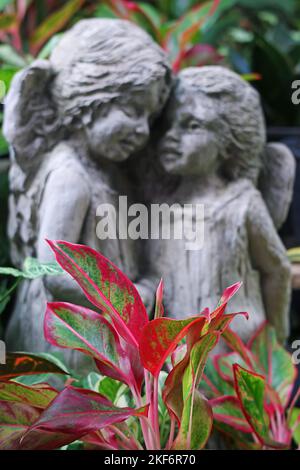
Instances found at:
x=64 y=159
x=238 y=197
x=243 y=189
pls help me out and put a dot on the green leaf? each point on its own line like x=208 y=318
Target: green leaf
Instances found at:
x=33 y=269
x=104 y=11
x=49 y=46
x=287 y=6
x=7 y=21
x=2 y=90
x=3 y=145
x=294 y=419
x=4 y=295
x=10 y=56
x=12 y=272
x=4 y=3
x=7 y=74
x=109 y=388
x=294 y=255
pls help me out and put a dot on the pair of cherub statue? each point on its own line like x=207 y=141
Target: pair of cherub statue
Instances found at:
x=105 y=117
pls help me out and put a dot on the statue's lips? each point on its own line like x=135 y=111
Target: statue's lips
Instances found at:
x=127 y=146
x=170 y=153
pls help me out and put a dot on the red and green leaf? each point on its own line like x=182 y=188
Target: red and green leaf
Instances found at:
x=182 y=33
x=15 y=419
x=250 y=389
x=237 y=345
x=186 y=376
x=142 y=14
x=18 y=364
x=79 y=412
x=224 y=365
x=274 y=361
x=160 y=338
x=212 y=384
x=191 y=435
x=105 y=286
x=196 y=423
x=78 y=328
x=227 y=410
x=39 y=396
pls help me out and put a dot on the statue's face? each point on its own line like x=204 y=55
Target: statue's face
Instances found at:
x=121 y=128
x=190 y=145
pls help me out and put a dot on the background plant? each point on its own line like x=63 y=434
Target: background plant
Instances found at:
x=160 y=408
x=250 y=390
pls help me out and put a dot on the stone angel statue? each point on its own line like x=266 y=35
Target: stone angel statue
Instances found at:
x=71 y=122
x=214 y=147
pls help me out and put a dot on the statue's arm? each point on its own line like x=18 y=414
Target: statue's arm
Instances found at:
x=269 y=258
x=64 y=206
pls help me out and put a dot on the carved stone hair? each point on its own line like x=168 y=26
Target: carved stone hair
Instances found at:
x=99 y=60
x=96 y=61
x=241 y=126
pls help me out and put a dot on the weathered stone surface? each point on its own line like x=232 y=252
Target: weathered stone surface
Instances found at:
x=216 y=149
x=70 y=122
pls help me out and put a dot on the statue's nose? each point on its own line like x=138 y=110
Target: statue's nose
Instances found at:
x=142 y=129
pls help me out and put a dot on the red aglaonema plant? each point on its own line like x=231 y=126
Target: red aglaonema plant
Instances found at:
x=127 y=348
x=250 y=392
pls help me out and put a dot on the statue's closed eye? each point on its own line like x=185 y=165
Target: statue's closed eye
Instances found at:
x=194 y=125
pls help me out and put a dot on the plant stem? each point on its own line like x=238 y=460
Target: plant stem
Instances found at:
x=171 y=435
x=149 y=398
x=155 y=414
x=145 y=428
x=10 y=290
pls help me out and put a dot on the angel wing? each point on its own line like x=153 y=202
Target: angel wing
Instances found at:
x=276 y=181
x=29 y=113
